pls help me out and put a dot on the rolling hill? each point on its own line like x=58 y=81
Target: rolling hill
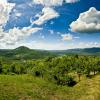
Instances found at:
x=26 y=53
x=85 y=51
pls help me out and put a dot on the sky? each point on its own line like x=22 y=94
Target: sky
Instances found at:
x=49 y=24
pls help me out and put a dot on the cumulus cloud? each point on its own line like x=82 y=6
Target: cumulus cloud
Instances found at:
x=5 y=9
x=53 y=2
x=47 y=14
x=66 y=37
x=14 y=35
x=88 y=22
x=48 y=2
x=71 y=1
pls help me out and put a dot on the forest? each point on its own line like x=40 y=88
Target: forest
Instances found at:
x=62 y=70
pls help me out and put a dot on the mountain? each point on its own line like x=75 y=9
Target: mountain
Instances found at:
x=22 y=49
x=85 y=51
x=26 y=53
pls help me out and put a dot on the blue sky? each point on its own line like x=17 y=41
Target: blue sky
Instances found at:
x=59 y=24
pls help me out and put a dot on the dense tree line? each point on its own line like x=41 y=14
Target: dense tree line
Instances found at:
x=60 y=70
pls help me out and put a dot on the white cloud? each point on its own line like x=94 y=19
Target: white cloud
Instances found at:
x=15 y=35
x=88 y=44
x=71 y=1
x=5 y=9
x=18 y=14
x=66 y=37
x=88 y=22
x=53 y=2
x=48 y=2
x=47 y=14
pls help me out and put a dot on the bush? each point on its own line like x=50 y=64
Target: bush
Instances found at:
x=66 y=80
x=38 y=71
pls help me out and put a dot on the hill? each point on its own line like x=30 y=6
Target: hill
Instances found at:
x=24 y=53
x=27 y=53
x=85 y=51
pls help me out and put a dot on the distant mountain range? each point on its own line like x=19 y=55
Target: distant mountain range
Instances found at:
x=26 y=53
x=85 y=51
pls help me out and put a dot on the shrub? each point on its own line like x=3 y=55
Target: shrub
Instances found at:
x=66 y=80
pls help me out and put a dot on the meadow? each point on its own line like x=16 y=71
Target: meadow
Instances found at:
x=27 y=87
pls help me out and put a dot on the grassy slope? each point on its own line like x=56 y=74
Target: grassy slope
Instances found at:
x=25 y=87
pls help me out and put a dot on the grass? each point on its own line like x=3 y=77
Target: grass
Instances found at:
x=27 y=87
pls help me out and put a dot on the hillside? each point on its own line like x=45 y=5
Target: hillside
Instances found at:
x=26 y=87
x=26 y=53
x=54 y=78
x=85 y=51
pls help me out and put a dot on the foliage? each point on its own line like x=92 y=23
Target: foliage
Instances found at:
x=55 y=69
x=0 y=67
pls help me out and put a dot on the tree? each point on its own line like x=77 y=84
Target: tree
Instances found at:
x=79 y=67
x=12 y=68
x=98 y=65
x=39 y=69
x=0 y=67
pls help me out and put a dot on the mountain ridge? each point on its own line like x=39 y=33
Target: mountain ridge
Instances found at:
x=23 y=52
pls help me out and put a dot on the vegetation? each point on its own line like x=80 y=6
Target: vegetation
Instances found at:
x=57 y=69
x=24 y=53
x=27 y=87
x=49 y=78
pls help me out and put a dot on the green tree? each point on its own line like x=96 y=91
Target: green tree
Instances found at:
x=1 y=67
x=79 y=67
x=12 y=68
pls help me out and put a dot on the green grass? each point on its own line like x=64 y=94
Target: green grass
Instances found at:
x=27 y=87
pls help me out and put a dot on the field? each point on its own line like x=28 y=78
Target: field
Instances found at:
x=27 y=87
